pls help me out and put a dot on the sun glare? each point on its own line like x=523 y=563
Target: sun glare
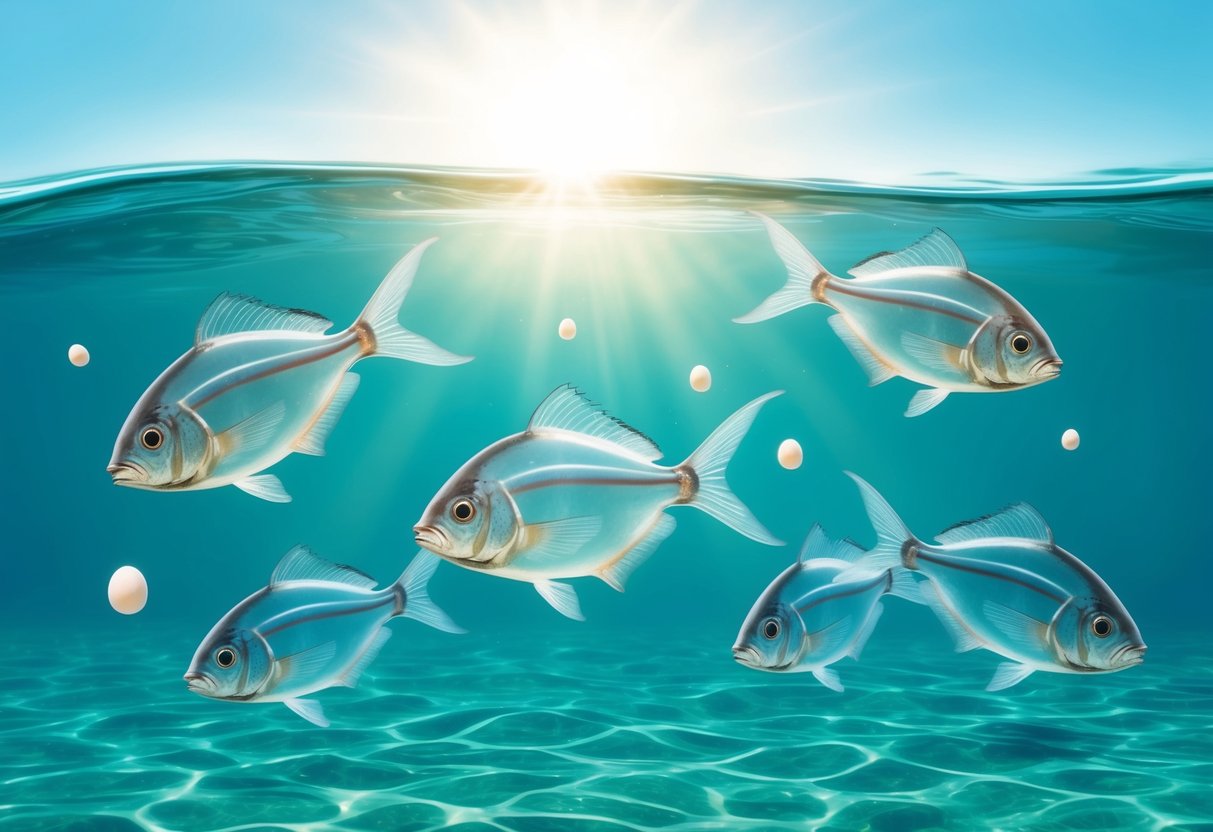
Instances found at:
x=575 y=90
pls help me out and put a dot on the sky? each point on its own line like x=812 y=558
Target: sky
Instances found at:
x=880 y=91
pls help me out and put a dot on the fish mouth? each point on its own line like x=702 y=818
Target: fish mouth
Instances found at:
x=747 y=656
x=431 y=537
x=124 y=472
x=1129 y=655
x=1047 y=368
x=200 y=683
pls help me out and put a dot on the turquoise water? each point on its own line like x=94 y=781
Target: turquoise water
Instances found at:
x=637 y=718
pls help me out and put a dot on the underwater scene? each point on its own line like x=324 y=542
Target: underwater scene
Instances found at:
x=688 y=502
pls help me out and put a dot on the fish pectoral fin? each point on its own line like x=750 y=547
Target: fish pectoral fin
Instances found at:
x=312 y=442
x=354 y=673
x=557 y=539
x=1008 y=675
x=865 y=632
x=253 y=432
x=309 y=709
x=264 y=486
x=924 y=400
x=829 y=640
x=617 y=571
x=938 y=355
x=1025 y=633
x=964 y=638
x=230 y=313
x=878 y=371
x=562 y=597
x=935 y=249
x=829 y=677
x=311 y=662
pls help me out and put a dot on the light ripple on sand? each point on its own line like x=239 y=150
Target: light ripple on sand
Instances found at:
x=507 y=739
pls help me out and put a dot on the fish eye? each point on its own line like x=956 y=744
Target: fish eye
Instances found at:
x=225 y=657
x=1021 y=343
x=463 y=511
x=1102 y=626
x=152 y=438
x=770 y=628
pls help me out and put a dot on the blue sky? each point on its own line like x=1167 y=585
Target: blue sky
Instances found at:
x=878 y=91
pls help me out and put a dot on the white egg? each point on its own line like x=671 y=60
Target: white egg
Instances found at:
x=1070 y=439
x=128 y=590
x=790 y=454
x=701 y=378
x=78 y=354
x=568 y=329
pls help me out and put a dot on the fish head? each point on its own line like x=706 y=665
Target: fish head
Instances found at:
x=1098 y=634
x=160 y=445
x=773 y=636
x=470 y=520
x=231 y=663
x=1014 y=350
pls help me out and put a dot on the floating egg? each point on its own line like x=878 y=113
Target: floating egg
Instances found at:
x=568 y=329
x=77 y=354
x=1070 y=439
x=701 y=378
x=790 y=454
x=128 y=590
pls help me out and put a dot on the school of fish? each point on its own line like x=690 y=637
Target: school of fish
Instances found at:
x=579 y=493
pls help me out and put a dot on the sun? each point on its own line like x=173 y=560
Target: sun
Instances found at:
x=569 y=89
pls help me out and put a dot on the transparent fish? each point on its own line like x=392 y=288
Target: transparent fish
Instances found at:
x=1002 y=583
x=920 y=314
x=805 y=621
x=579 y=493
x=260 y=382
x=316 y=625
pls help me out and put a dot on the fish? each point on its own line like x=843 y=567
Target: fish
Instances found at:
x=805 y=621
x=579 y=493
x=316 y=625
x=920 y=314
x=1001 y=583
x=260 y=382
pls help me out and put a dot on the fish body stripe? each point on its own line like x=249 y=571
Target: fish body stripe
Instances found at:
x=329 y=610
x=989 y=573
x=882 y=578
x=556 y=480
x=275 y=364
x=848 y=287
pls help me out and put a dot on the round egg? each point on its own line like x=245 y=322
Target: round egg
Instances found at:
x=701 y=378
x=128 y=590
x=1070 y=439
x=790 y=454
x=568 y=329
x=78 y=354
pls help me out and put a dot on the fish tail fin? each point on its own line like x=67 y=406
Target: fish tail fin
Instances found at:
x=892 y=536
x=415 y=601
x=806 y=276
x=706 y=468
x=381 y=332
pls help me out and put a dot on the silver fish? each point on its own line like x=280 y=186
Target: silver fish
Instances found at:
x=920 y=314
x=579 y=493
x=260 y=382
x=805 y=621
x=316 y=625
x=1002 y=583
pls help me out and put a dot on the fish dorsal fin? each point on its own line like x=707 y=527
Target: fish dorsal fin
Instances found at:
x=935 y=249
x=302 y=564
x=230 y=313
x=1018 y=521
x=567 y=408
x=819 y=545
